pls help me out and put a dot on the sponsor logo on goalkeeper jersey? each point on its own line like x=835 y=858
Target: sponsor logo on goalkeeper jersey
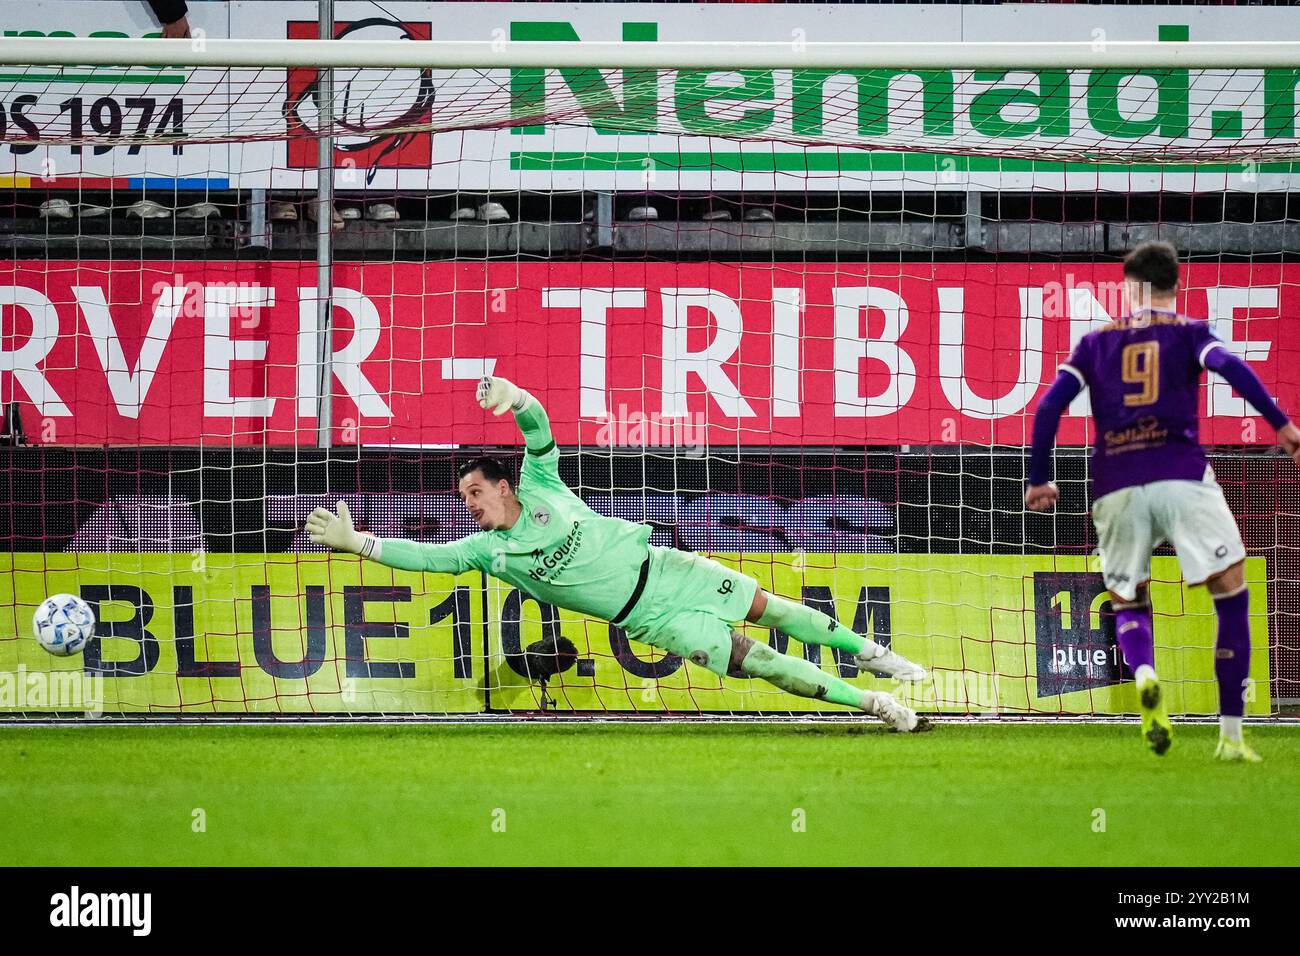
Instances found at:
x=549 y=563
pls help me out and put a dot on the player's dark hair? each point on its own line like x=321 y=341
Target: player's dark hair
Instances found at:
x=1154 y=263
x=492 y=469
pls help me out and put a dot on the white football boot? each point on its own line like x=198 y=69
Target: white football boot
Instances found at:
x=897 y=716
x=883 y=662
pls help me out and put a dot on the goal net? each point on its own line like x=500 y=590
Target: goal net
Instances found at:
x=794 y=314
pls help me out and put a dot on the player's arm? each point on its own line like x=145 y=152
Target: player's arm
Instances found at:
x=542 y=461
x=1246 y=383
x=502 y=395
x=336 y=531
x=1041 y=493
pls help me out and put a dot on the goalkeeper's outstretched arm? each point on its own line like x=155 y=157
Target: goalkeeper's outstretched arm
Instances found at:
x=541 y=467
x=502 y=395
x=336 y=531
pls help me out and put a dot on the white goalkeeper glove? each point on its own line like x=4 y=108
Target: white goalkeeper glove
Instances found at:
x=500 y=394
x=336 y=531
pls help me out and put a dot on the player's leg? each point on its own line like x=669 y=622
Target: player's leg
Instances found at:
x=1232 y=660
x=805 y=679
x=810 y=626
x=1134 y=632
x=697 y=582
x=1210 y=551
x=1125 y=537
x=707 y=641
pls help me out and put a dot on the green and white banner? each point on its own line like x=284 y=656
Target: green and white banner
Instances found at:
x=687 y=129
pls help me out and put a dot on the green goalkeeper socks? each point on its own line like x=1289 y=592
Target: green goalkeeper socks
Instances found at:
x=810 y=626
x=803 y=678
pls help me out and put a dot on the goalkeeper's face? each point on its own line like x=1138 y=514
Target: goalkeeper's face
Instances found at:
x=489 y=503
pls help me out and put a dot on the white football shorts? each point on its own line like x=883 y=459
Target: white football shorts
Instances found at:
x=1190 y=515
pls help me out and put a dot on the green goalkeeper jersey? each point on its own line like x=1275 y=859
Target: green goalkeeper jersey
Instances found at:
x=559 y=551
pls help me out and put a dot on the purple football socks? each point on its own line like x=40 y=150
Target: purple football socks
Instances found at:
x=1232 y=652
x=1136 y=640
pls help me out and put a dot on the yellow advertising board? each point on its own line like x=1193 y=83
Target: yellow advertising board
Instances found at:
x=302 y=634
x=256 y=633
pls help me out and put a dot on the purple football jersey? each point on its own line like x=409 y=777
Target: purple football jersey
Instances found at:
x=1144 y=373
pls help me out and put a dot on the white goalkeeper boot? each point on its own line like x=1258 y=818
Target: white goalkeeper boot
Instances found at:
x=896 y=716
x=883 y=662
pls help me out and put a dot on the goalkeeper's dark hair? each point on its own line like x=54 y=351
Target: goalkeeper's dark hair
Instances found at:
x=1154 y=263
x=492 y=469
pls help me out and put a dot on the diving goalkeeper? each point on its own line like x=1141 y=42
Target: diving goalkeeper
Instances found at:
x=543 y=539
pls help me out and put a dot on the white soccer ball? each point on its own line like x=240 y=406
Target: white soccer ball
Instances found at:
x=63 y=623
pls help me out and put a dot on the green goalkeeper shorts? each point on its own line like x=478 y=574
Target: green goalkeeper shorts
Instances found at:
x=688 y=607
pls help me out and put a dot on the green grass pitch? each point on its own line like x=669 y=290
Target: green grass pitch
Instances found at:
x=641 y=794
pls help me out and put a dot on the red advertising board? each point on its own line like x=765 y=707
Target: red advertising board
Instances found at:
x=627 y=354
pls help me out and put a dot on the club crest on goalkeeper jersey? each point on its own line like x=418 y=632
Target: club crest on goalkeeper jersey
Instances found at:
x=559 y=551
x=1143 y=374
